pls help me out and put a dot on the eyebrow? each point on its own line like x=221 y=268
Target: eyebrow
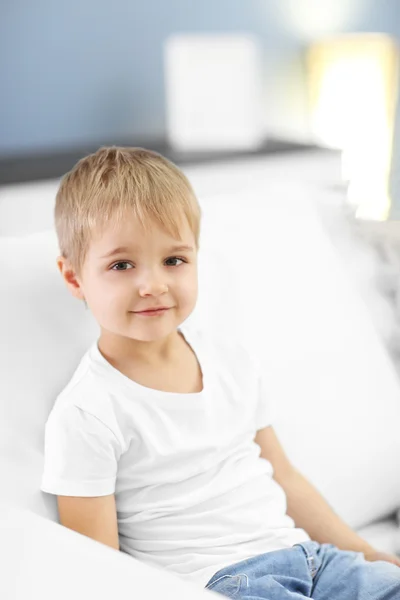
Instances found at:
x=121 y=249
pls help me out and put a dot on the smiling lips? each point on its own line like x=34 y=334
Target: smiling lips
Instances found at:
x=156 y=308
x=152 y=312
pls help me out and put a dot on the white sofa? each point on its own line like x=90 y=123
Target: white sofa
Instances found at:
x=334 y=391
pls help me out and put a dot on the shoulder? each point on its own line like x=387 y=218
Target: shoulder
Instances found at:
x=86 y=406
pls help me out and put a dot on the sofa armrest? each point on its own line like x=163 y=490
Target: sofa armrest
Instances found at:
x=45 y=560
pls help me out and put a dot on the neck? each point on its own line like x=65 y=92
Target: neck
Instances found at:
x=151 y=353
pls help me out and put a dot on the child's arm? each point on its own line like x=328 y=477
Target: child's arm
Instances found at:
x=95 y=517
x=80 y=469
x=305 y=505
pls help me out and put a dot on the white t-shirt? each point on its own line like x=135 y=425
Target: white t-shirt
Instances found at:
x=192 y=493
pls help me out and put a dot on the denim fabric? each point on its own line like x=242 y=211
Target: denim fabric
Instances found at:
x=308 y=570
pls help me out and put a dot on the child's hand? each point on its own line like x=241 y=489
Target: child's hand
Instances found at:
x=392 y=558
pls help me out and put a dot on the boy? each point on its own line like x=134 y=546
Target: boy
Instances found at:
x=161 y=445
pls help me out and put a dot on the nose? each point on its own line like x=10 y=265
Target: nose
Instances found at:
x=152 y=284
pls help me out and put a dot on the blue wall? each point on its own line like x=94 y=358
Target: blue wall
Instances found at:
x=88 y=71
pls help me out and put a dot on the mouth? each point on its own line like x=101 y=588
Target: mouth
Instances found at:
x=152 y=311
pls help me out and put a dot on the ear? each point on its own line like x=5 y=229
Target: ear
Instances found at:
x=71 y=280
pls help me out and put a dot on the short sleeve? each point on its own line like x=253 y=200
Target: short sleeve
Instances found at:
x=80 y=454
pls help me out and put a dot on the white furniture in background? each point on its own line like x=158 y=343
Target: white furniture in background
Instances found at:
x=333 y=388
x=213 y=89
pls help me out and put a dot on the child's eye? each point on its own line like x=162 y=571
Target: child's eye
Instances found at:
x=123 y=262
x=176 y=258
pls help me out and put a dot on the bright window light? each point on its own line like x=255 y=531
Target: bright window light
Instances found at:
x=353 y=94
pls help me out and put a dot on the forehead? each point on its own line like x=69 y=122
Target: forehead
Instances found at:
x=131 y=235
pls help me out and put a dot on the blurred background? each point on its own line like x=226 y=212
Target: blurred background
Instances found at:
x=78 y=75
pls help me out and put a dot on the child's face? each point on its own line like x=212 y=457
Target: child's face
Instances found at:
x=149 y=273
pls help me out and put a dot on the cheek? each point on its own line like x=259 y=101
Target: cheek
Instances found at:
x=192 y=291
x=107 y=290
x=190 y=282
x=184 y=288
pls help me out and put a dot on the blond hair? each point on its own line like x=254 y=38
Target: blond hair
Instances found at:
x=103 y=186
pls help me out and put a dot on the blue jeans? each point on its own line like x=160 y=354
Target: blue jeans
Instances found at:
x=308 y=570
